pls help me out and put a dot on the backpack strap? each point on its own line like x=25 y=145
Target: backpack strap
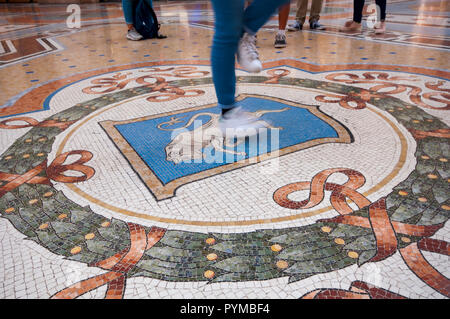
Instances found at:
x=155 y=20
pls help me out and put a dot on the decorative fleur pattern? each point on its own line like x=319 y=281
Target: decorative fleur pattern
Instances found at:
x=383 y=81
x=358 y=290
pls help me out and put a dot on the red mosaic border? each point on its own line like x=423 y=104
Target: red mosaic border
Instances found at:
x=33 y=101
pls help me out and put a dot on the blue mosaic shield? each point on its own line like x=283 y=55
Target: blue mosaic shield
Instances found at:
x=144 y=141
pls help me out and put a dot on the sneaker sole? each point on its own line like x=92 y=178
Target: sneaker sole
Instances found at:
x=134 y=39
x=240 y=134
x=259 y=69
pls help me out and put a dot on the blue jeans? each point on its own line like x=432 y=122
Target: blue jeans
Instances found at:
x=231 y=20
x=128 y=10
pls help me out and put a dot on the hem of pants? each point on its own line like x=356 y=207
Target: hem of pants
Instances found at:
x=225 y=106
x=249 y=31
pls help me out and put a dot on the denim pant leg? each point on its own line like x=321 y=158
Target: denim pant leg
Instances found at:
x=227 y=32
x=258 y=12
x=128 y=9
x=230 y=22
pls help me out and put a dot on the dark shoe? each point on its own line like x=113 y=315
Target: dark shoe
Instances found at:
x=316 y=26
x=297 y=26
x=280 y=41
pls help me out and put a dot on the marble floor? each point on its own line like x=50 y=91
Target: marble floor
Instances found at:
x=99 y=197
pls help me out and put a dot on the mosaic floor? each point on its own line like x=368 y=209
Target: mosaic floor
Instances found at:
x=351 y=202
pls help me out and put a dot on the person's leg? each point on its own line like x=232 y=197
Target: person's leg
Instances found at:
x=316 y=8
x=382 y=5
x=128 y=12
x=355 y=24
x=127 y=7
x=358 y=6
x=231 y=20
x=314 y=15
x=255 y=16
x=227 y=32
x=283 y=16
x=380 y=27
x=302 y=7
x=258 y=12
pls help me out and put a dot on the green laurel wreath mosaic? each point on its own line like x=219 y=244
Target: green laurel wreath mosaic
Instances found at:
x=182 y=255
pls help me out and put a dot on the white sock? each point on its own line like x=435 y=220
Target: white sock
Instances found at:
x=281 y=32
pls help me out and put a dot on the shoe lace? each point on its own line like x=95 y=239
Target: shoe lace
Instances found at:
x=249 y=45
x=280 y=37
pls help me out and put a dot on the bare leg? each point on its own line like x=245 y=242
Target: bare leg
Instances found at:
x=283 y=16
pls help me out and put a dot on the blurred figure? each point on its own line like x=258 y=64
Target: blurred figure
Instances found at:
x=314 y=15
x=234 y=35
x=355 y=24
x=128 y=12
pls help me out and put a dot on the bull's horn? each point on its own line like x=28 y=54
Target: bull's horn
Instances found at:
x=262 y=112
x=174 y=120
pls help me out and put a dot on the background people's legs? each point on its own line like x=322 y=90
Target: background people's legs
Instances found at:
x=314 y=15
x=128 y=12
x=358 y=7
x=283 y=16
x=302 y=8
x=231 y=23
x=380 y=27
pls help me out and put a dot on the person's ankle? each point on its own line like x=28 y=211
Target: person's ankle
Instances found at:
x=225 y=108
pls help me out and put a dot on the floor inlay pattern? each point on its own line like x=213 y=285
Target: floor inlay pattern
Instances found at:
x=101 y=197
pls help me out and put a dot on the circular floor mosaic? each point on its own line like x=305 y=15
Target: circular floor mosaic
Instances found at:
x=355 y=171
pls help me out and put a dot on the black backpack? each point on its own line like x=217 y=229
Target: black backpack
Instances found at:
x=145 y=21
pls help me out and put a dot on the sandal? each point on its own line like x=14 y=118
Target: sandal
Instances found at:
x=351 y=26
x=380 y=27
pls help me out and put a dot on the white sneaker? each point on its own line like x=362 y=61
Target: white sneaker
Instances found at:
x=296 y=26
x=280 y=40
x=238 y=123
x=133 y=35
x=247 y=55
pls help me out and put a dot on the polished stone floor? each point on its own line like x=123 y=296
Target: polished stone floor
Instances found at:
x=349 y=200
